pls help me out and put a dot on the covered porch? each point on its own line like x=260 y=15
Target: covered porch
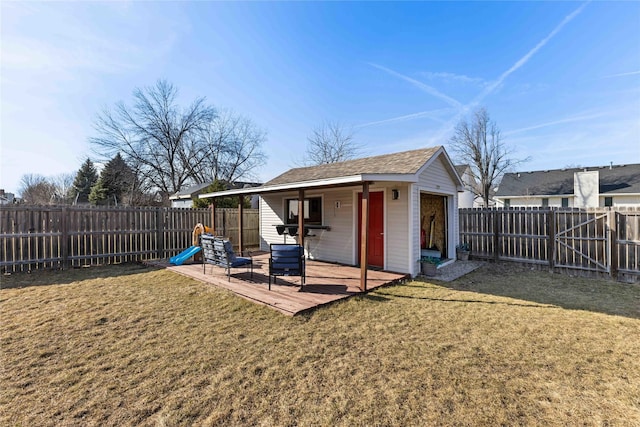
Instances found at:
x=325 y=283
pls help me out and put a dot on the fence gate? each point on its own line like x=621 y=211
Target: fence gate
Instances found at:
x=582 y=241
x=598 y=242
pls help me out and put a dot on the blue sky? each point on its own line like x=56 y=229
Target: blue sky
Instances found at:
x=561 y=79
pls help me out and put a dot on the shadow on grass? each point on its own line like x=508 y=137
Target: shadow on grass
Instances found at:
x=574 y=293
x=74 y=274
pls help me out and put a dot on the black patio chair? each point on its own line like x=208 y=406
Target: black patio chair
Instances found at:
x=219 y=252
x=286 y=260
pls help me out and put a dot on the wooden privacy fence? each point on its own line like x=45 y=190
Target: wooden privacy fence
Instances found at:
x=227 y=225
x=594 y=241
x=37 y=237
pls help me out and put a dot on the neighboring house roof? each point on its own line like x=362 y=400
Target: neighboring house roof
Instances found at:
x=188 y=192
x=194 y=190
x=618 y=179
x=6 y=198
x=461 y=169
x=396 y=167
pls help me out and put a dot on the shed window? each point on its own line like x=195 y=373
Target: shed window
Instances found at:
x=545 y=202
x=565 y=202
x=608 y=201
x=312 y=211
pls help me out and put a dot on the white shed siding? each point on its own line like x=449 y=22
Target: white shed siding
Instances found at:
x=270 y=214
x=336 y=244
x=437 y=179
x=397 y=229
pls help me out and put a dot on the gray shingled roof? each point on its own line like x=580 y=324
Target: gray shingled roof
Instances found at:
x=615 y=179
x=407 y=162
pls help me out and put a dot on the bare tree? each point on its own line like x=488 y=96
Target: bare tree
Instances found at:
x=329 y=143
x=63 y=183
x=155 y=136
x=478 y=142
x=229 y=148
x=36 y=190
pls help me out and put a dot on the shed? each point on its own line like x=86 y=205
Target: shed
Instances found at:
x=380 y=211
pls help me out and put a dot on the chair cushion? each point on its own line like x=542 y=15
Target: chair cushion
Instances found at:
x=240 y=261
x=228 y=247
x=286 y=250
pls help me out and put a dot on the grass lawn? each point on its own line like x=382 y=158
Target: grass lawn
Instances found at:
x=127 y=345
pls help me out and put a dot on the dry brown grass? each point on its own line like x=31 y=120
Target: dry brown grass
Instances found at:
x=129 y=346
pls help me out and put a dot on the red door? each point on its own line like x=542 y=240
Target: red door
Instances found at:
x=376 y=229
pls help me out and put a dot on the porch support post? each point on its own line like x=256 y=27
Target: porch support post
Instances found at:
x=240 y=222
x=301 y=217
x=364 y=233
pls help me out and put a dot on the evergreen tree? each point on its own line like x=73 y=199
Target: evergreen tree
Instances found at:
x=118 y=180
x=98 y=195
x=86 y=178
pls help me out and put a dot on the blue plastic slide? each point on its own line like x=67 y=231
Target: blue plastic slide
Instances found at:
x=184 y=255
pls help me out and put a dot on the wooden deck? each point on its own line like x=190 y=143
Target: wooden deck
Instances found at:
x=324 y=284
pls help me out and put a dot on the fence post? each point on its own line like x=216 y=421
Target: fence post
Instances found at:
x=212 y=207
x=224 y=223
x=240 y=222
x=496 y=233
x=159 y=233
x=613 y=244
x=551 y=238
x=64 y=236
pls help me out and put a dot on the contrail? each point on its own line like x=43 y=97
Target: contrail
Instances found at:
x=492 y=87
x=631 y=73
x=427 y=114
x=462 y=109
x=425 y=88
x=561 y=121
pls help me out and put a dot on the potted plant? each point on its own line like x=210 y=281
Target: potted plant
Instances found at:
x=429 y=265
x=462 y=251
